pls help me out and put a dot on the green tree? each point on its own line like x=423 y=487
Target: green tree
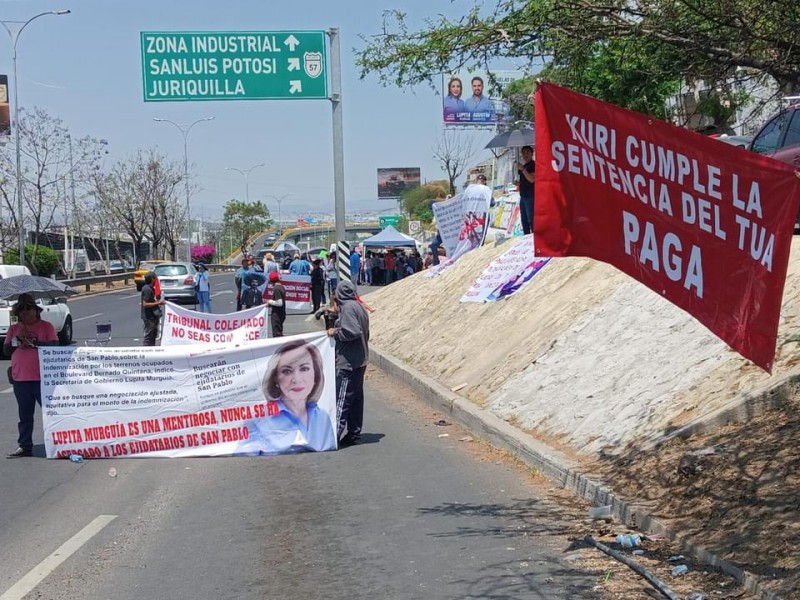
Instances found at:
x=713 y=40
x=417 y=201
x=41 y=260
x=242 y=220
x=632 y=73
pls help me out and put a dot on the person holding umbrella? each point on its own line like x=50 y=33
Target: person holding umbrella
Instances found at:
x=526 y=169
x=21 y=344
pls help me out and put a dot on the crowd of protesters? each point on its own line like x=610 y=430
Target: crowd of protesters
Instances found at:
x=382 y=267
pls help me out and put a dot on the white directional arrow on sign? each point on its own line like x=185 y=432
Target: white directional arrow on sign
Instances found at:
x=292 y=42
x=295 y=86
x=294 y=64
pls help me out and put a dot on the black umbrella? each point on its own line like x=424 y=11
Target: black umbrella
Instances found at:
x=11 y=287
x=513 y=138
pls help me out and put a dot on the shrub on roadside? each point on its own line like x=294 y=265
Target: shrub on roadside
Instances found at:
x=41 y=260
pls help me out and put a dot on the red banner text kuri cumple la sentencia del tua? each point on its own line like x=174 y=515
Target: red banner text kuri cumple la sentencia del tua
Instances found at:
x=706 y=225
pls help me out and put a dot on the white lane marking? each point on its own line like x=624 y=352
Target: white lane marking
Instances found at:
x=89 y=317
x=36 y=575
x=222 y=293
x=7 y=390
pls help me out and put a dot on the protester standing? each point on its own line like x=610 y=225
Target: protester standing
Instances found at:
x=277 y=304
x=238 y=279
x=300 y=266
x=355 y=266
x=270 y=266
x=21 y=344
x=526 y=169
x=317 y=284
x=351 y=333
x=151 y=310
x=332 y=275
x=202 y=286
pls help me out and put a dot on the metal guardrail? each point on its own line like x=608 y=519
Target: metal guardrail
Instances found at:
x=127 y=277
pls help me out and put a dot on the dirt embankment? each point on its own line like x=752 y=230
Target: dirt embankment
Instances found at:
x=592 y=361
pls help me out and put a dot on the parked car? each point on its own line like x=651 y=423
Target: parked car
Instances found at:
x=779 y=138
x=177 y=281
x=116 y=266
x=741 y=141
x=55 y=309
x=141 y=271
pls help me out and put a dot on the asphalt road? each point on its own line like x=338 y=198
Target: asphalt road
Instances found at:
x=411 y=513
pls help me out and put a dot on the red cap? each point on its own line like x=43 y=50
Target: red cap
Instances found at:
x=273 y=277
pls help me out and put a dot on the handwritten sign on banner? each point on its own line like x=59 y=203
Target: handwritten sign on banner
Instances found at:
x=706 y=225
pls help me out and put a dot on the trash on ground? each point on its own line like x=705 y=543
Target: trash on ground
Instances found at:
x=112 y=472
x=676 y=558
x=466 y=438
x=601 y=512
x=441 y=423
x=76 y=458
x=638 y=552
x=696 y=596
x=444 y=435
x=629 y=541
x=680 y=570
x=458 y=387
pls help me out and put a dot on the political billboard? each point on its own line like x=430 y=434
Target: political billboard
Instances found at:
x=472 y=97
x=392 y=182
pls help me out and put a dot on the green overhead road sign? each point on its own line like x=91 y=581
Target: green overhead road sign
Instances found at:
x=387 y=220
x=223 y=65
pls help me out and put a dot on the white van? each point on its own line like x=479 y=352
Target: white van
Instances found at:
x=54 y=310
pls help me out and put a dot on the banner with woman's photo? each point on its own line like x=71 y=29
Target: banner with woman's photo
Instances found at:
x=273 y=396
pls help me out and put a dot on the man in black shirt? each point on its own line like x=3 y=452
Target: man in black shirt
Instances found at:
x=151 y=310
x=526 y=169
x=277 y=304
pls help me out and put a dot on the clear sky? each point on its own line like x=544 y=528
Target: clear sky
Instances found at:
x=85 y=68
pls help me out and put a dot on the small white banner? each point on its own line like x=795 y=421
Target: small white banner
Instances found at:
x=506 y=269
x=184 y=326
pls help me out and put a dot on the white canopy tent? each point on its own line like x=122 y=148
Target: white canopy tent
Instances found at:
x=390 y=238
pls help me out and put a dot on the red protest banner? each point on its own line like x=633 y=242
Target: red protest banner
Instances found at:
x=706 y=225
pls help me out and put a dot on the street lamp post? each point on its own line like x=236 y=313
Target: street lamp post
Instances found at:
x=14 y=35
x=185 y=129
x=279 y=200
x=246 y=174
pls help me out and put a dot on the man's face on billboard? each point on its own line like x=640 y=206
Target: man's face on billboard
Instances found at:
x=477 y=87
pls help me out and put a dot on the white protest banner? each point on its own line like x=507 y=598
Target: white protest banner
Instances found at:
x=184 y=326
x=266 y=397
x=461 y=220
x=506 y=268
x=500 y=270
x=519 y=281
x=298 y=293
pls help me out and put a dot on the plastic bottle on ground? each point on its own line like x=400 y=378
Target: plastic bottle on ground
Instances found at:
x=76 y=458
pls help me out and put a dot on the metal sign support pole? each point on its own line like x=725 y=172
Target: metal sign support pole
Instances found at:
x=338 y=136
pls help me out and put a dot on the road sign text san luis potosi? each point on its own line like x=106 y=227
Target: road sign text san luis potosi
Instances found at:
x=252 y=65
